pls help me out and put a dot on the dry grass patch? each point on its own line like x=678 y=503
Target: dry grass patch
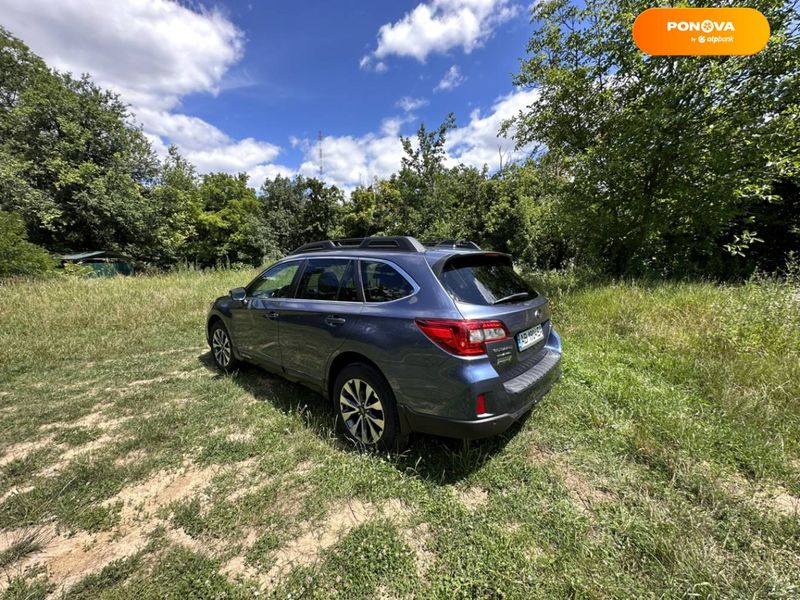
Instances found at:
x=780 y=501
x=68 y=557
x=250 y=481
x=174 y=375
x=582 y=491
x=67 y=456
x=145 y=499
x=132 y=457
x=14 y=490
x=97 y=419
x=418 y=539
x=21 y=450
x=775 y=499
x=306 y=549
x=240 y=436
x=472 y=497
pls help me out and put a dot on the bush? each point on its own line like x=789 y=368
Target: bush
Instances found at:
x=17 y=255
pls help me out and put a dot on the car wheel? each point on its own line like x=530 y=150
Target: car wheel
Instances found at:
x=222 y=348
x=366 y=409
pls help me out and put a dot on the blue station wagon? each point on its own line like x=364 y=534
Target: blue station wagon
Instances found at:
x=444 y=339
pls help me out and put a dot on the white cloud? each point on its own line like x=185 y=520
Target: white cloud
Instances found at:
x=451 y=80
x=260 y=173
x=392 y=125
x=477 y=143
x=230 y=156
x=366 y=63
x=152 y=52
x=409 y=104
x=438 y=26
x=348 y=161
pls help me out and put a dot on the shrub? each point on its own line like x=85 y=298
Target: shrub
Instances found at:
x=17 y=255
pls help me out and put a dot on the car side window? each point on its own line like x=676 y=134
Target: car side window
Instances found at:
x=383 y=283
x=330 y=279
x=275 y=282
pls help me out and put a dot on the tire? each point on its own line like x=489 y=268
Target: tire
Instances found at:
x=222 y=348
x=366 y=411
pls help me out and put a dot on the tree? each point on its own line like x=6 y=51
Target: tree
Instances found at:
x=176 y=207
x=17 y=255
x=230 y=226
x=422 y=208
x=321 y=208
x=663 y=155
x=282 y=202
x=70 y=163
x=371 y=210
x=301 y=210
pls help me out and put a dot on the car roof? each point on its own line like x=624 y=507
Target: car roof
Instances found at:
x=385 y=247
x=432 y=255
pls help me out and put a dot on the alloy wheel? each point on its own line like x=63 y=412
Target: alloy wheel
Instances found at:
x=362 y=411
x=221 y=346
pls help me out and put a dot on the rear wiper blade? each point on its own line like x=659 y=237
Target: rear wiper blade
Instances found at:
x=519 y=295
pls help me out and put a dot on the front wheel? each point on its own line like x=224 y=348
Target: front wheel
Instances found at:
x=366 y=409
x=222 y=348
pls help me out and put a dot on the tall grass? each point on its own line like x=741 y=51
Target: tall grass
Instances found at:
x=660 y=466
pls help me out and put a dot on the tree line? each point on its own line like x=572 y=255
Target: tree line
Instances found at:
x=666 y=166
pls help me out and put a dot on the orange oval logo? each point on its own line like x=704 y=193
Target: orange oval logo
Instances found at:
x=701 y=31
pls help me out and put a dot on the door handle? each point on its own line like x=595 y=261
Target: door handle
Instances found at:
x=272 y=315
x=335 y=320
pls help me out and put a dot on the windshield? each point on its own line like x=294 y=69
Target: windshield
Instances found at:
x=485 y=279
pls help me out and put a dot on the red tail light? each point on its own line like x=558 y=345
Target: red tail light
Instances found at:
x=464 y=338
x=480 y=405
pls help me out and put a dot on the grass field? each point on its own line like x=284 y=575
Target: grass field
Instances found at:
x=665 y=464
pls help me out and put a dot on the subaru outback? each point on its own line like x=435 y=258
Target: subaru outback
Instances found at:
x=444 y=339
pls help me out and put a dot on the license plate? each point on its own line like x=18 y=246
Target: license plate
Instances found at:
x=529 y=337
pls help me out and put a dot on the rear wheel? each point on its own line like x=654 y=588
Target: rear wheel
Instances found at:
x=222 y=348
x=366 y=409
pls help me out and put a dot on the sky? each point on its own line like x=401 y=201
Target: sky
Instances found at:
x=247 y=86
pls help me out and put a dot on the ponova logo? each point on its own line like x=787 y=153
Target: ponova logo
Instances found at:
x=701 y=31
x=706 y=26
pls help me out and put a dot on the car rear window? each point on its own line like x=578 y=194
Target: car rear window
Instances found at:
x=484 y=279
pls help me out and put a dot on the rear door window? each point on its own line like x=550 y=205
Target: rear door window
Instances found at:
x=383 y=283
x=485 y=280
x=331 y=279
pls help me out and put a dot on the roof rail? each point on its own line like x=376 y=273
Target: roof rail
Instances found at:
x=399 y=243
x=458 y=244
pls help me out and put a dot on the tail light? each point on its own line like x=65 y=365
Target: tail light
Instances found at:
x=464 y=338
x=480 y=405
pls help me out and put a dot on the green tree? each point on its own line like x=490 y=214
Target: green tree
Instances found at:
x=176 y=207
x=230 y=226
x=17 y=255
x=301 y=210
x=370 y=210
x=662 y=156
x=423 y=207
x=282 y=202
x=70 y=163
x=321 y=208
x=523 y=215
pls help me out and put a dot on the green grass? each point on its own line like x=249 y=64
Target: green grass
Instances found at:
x=665 y=464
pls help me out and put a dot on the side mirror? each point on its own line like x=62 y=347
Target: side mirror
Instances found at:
x=238 y=293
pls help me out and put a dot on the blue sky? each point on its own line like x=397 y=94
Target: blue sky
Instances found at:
x=246 y=86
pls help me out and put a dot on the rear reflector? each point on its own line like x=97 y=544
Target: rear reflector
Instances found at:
x=464 y=338
x=480 y=405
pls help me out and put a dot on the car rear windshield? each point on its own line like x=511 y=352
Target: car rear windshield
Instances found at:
x=484 y=279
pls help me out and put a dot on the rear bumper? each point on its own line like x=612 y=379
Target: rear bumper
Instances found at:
x=518 y=396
